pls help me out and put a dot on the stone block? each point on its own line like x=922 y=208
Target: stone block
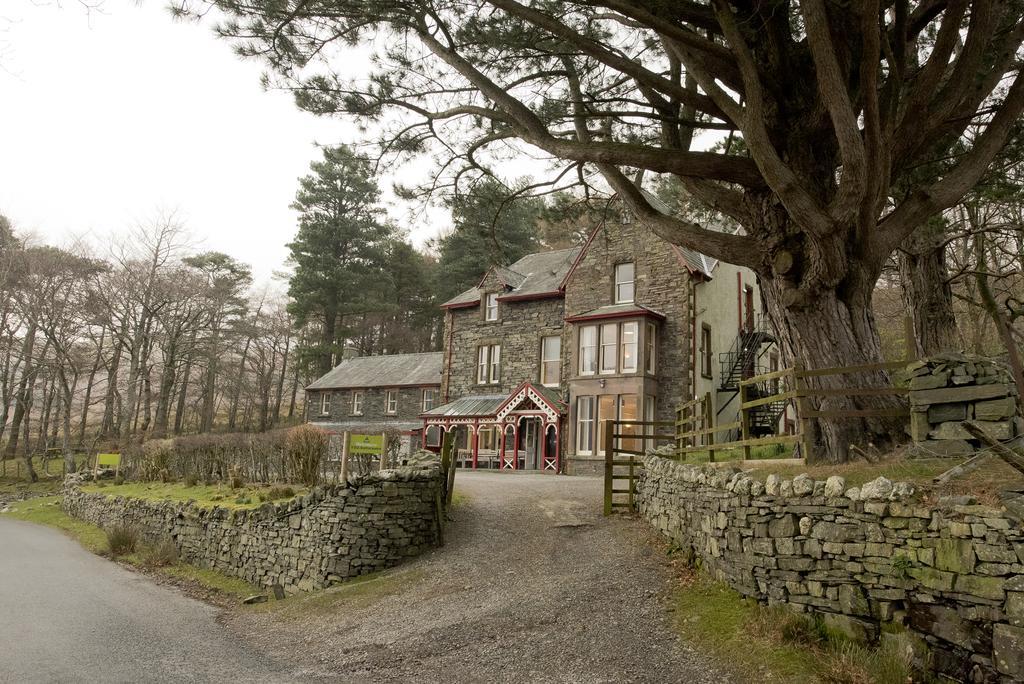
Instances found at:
x=939 y=448
x=952 y=395
x=955 y=555
x=851 y=628
x=930 y=578
x=946 y=624
x=1001 y=430
x=940 y=413
x=877 y=489
x=852 y=600
x=930 y=381
x=785 y=526
x=834 y=486
x=983 y=587
x=919 y=425
x=995 y=409
x=1008 y=650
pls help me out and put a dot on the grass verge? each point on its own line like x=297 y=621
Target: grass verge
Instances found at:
x=353 y=594
x=774 y=644
x=205 y=496
x=47 y=511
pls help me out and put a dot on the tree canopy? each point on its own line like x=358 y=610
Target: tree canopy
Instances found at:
x=837 y=105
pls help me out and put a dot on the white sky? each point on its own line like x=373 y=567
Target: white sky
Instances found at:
x=108 y=118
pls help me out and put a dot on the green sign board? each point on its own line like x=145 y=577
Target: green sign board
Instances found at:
x=113 y=460
x=372 y=445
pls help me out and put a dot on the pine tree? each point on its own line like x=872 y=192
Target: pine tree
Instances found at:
x=338 y=252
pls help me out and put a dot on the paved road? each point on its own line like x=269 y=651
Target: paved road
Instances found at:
x=535 y=585
x=69 y=616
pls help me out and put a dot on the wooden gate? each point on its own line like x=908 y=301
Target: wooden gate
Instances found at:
x=625 y=443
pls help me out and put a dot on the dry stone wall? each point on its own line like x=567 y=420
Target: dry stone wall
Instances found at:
x=329 y=535
x=871 y=559
x=946 y=390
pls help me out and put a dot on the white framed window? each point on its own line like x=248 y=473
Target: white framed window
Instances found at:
x=488 y=364
x=428 y=399
x=550 y=360
x=391 y=402
x=481 y=365
x=325 y=403
x=630 y=345
x=609 y=347
x=491 y=307
x=650 y=349
x=585 y=425
x=588 y=350
x=606 y=406
x=357 y=403
x=495 y=374
x=628 y=410
x=625 y=276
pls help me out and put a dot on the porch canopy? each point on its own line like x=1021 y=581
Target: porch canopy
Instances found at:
x=506 y=414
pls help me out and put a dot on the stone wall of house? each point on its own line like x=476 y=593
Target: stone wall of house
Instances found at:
x=662 y=283
x=331 y=534
x=410 y=402
x=949 y=388
x=519 y=329
x=951 y=575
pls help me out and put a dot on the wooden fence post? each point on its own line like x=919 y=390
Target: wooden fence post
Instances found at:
x=744 y=421
x=804 y=423
x=709 y=424
x=344 y=458
x=609 y=469
x=679 y=431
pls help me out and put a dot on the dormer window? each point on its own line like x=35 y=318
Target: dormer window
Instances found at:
x=625 y=275
x=491 y=307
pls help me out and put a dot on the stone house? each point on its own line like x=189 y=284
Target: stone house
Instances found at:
x=376 y=394
x=626 y=326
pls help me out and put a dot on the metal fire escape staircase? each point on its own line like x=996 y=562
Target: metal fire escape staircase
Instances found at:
x=740 y=363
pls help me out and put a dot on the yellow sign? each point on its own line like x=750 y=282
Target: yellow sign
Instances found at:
x=113 y=460
x=372 y=445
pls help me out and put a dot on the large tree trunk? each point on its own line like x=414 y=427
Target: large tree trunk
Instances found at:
x=834 y=328
x=24 y=389
x=108 y=426
x=928 y=298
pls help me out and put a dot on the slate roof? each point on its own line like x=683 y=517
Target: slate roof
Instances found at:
x=535 y=274
x=615 y=310
x=392 y=370
x=694 y=260
x=479 y=405
x=369 y=425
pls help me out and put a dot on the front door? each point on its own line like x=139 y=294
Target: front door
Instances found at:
x=529 y=433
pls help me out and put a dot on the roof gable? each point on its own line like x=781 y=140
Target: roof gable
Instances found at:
x=536 y=275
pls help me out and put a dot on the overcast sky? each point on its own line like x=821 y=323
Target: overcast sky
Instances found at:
x=110 y=117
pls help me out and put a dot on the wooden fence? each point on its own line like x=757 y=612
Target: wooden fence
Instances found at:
x=695 y=429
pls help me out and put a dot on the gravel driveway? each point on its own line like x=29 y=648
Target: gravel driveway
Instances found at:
x=533 y=586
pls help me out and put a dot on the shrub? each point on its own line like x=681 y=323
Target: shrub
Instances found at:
x=119 y=480
x=191 y=480
x=305 y=448
x=276 y=492
x=160 y=555
x=121 y=540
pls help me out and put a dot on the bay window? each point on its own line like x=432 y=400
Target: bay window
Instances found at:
x=609 y=347
x=588 y=350
x=630 y=332
x=650 y=349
